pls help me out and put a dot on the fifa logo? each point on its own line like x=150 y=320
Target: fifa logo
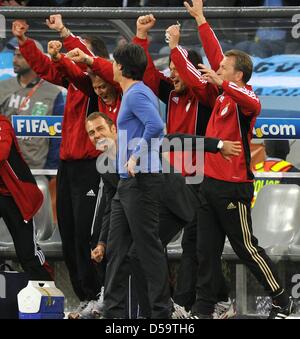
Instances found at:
x=2 y=27
x=37 y=126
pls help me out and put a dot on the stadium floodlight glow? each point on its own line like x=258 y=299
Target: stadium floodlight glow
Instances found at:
x=2 y=27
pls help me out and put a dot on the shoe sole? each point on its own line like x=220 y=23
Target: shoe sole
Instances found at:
x=231 y=313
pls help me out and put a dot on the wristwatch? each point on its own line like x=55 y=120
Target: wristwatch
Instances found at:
x=220 y=145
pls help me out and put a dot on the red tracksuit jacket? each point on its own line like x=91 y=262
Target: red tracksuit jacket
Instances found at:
x=15 y=176
x=82 y=81
x=75 y=143
x=188 y=112
x=233 y=118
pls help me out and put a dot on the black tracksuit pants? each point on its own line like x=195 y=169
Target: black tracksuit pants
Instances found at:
x=227 y=211
x=23 y=234
x=185 y=293
x=169 y=226
x=77 y=189
x=135 y=219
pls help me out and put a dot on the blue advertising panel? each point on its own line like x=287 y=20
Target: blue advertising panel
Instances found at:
x=37 y=126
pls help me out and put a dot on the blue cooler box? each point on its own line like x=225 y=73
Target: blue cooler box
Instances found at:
x=41 y=300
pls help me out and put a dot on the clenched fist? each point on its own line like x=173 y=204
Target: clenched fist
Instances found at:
x=78 y=56
x=54 y=48
x=143 y=24
x=55 y=22
x=19 y=28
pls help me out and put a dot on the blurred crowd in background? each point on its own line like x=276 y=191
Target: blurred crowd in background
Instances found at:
x=142 y=3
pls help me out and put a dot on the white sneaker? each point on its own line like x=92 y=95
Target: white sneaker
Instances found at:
x=99 y=304
x=75 y=314
x=224 y=310
x=87 y=312
x=180 y=312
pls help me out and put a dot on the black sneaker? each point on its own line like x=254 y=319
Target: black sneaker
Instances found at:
x=278 y=312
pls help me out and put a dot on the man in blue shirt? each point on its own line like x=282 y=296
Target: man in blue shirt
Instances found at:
x=135 y=207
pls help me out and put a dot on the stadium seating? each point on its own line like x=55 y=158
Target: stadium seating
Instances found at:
x=52 y=247
x=44 y=218
x=276 y=224
x=276 y=221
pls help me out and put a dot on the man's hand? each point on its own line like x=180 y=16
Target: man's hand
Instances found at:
x=210 y=75
x=143 y=24
x=54 y=48
x=231 y=149
x=98 y=252
x=173 y=33
x=19 y=28
x=78 y=56
x=130 y=165
x=196 y=11
x=55 y=22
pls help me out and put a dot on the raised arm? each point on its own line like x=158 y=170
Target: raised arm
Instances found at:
x=100 y=66
x=69 y=69
x=211 y=45
x=70 y=41
x=205 y=92
x=244 y=96
x=153 y=78
x=36 y=59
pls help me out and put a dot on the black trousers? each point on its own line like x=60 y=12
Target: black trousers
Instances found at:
x=228 y=212
x=29 y=254
x=169 y=226
x=185 y=293
x=77 y=189
x=135 y=220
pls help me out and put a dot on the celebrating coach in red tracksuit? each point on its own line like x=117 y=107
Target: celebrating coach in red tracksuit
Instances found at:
x=20 y=199
x=228 y=186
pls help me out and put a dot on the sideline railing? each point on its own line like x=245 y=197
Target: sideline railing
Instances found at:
x=133 y=12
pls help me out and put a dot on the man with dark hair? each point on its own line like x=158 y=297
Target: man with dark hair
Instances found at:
x=228 y=187
x=134 y=61
x=189 y=101
x=135 y=208
x=20 y=199
x=178 y=201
